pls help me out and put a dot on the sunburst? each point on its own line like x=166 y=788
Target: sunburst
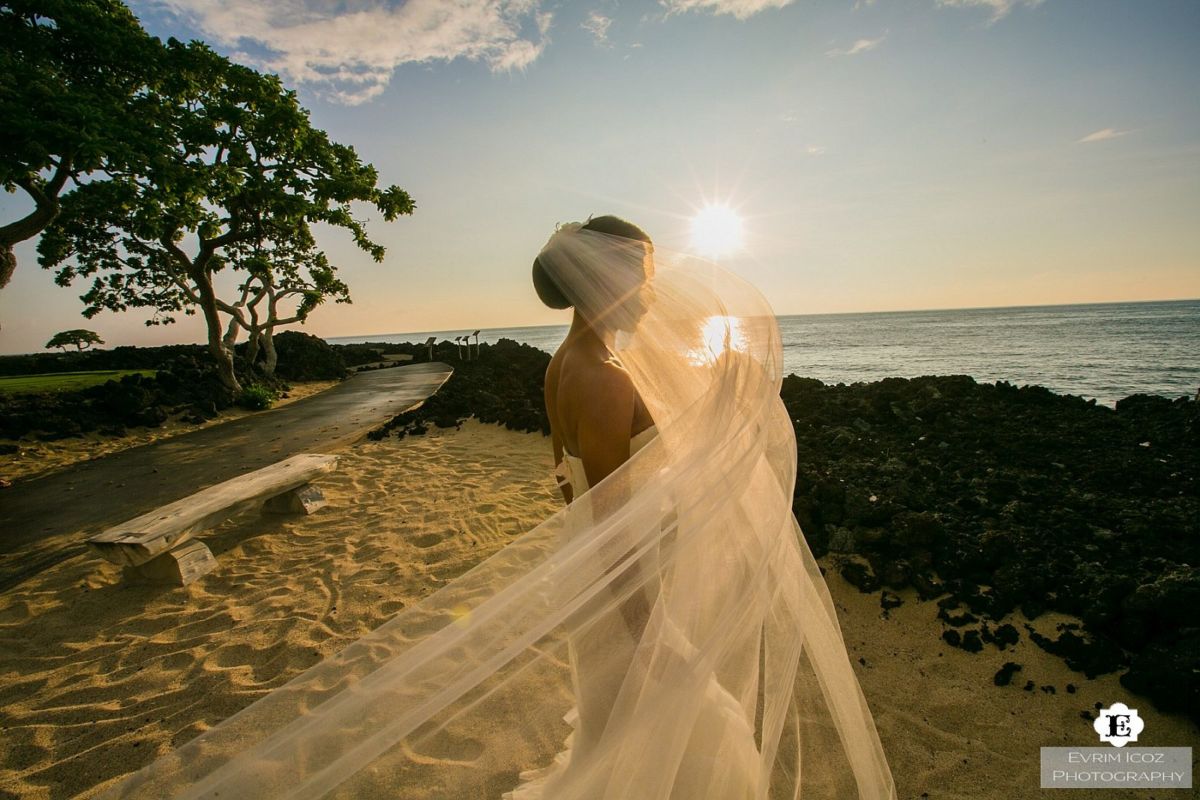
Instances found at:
x=717 y=231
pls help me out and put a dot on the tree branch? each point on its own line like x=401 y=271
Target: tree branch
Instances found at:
x=175 y=251
x=45 y=198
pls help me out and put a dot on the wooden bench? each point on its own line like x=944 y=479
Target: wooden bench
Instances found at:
x=159 y=545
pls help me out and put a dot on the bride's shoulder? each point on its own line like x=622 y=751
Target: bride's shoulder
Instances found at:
x=586 y=364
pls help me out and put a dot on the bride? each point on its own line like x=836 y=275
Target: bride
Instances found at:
x=605 y=270
x=703 y=656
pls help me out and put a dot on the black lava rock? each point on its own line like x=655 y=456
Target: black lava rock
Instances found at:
x=503 y=384
x=1090 y=656
x=1004 y=676
x=304 y=357
x=1166 y=672
x=860 y=576
x=1014 y=498
x=971 y=642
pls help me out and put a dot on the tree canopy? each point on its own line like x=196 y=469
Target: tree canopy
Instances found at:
x=78 y=338
x=74 y=76
x=239 y=178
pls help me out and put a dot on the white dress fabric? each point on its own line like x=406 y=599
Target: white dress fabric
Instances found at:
x=731 y=680
x=721 y=735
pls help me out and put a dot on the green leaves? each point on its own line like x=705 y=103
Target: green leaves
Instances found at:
x=226 y=172
x=73 y=102
x=73 y=71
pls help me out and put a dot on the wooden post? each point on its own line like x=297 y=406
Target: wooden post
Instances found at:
x=179 y=566
x=476 y=335
x=302 y=500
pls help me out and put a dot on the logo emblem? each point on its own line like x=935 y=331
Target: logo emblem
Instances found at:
x=1118 y=725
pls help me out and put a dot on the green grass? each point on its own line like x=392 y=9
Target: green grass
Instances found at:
x=65 y=381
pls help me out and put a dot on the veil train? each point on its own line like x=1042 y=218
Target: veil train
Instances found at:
x=738 y=686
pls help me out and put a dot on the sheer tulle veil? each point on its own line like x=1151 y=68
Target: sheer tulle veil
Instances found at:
x=738 y=685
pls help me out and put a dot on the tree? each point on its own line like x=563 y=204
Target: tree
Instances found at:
x=73 y=75
x=79 y=338
x=281 y=273
x=244 y=170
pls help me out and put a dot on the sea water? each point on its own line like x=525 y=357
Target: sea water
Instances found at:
x=1104 y=351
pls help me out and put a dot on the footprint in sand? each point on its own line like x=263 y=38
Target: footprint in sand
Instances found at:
x=427 y=539
x=390 y=607
x=450 y=747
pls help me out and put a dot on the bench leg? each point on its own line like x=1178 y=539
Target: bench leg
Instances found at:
x=180 y=565
x=302 y=500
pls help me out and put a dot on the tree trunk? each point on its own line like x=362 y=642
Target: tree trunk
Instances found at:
x=216 y=345
x=231 y=334
x=8 y=264
x=271 y=358
x=252 y=346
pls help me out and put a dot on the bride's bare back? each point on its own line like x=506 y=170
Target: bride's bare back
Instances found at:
x=593 y=407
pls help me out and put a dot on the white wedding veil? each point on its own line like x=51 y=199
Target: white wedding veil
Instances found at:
x=736 y=685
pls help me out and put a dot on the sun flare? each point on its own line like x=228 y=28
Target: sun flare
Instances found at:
x=718 y=335
x=717 y=231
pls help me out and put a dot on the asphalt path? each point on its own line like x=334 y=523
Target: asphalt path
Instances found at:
x=90 y=496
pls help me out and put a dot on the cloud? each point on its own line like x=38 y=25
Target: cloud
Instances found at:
x=860 y=46
x=741 y=9
x=348 y=51
x=1102 y=135
x=597 y=25
x=1000 y=8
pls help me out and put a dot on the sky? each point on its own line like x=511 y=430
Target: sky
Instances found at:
x=887 y=155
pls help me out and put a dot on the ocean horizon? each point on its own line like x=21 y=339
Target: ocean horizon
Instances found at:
x=1100 y=351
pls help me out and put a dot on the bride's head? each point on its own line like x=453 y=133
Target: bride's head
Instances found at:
x=602 y=268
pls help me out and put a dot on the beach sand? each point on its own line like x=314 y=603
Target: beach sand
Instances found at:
x=99 y=676
x=38 y=458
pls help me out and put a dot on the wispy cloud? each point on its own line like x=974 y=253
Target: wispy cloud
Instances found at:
x=1102 y=135
x=597 y=25
x=741 y=9
x=348 y=51
x=999 y=8
x=860 y=46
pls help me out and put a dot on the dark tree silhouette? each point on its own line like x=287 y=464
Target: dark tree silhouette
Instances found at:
x=79 y=338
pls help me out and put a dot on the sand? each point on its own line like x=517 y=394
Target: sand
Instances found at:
x=39 y=458
x=99 y=676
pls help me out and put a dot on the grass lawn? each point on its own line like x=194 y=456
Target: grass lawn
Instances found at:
x=65 y=381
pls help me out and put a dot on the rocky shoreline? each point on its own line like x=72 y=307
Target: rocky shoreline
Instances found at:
x=986 y=497
x=999 y=498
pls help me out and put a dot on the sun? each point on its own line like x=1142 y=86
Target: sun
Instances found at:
x=716 y=231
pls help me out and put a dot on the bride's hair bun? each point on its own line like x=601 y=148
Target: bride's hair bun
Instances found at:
x=548 y=291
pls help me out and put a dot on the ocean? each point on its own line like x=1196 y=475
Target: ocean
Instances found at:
x=1104 y=351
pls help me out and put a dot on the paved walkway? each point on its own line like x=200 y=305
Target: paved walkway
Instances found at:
x=92 y=495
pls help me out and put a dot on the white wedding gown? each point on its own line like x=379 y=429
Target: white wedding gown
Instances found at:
x=720 y=736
